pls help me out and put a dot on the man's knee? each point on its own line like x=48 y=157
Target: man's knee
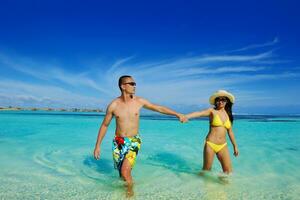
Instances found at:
x=126 y=171
x=127 y=177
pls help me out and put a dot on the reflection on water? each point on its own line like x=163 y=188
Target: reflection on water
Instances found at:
x=172 y=162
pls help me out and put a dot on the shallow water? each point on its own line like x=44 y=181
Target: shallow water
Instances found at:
x=47 y=155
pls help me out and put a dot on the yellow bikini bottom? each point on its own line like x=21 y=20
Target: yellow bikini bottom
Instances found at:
x=216 y=147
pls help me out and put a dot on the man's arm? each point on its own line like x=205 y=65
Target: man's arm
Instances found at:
x=102 y=131
x=162 y=109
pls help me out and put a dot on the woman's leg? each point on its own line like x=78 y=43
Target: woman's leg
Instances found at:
x=224 y=158
x=208 y=157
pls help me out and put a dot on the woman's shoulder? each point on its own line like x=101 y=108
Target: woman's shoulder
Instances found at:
x=211 y=111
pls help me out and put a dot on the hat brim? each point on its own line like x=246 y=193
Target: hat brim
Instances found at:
x=213 y=97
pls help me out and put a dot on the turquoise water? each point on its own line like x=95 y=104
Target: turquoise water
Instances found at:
x=48 y=155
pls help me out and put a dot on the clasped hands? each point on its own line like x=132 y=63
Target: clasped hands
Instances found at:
x=182 y=118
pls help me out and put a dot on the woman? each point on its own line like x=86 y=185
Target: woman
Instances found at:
x=221 y=120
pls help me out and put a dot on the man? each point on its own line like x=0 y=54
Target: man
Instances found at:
x=126 y=110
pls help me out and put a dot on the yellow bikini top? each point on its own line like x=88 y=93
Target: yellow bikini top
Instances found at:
x=216 y=121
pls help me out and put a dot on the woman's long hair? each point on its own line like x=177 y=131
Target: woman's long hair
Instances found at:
x=228 y=108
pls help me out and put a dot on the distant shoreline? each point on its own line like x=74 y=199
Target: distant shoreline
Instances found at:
x=50 y=109
x=87 y=110
x=147 y=115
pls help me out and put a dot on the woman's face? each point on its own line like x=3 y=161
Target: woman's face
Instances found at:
x=220 y=102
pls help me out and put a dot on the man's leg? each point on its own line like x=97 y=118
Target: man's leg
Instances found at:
x=126 y=175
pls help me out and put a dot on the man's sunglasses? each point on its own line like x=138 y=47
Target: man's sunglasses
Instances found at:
x=130 y=83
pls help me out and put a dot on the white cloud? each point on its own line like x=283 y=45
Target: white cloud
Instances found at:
x=22 y=93
x=255 y=46
x=48 y=73
x=180 y=81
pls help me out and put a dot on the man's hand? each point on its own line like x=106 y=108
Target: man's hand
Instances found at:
x=97 y=153
x=182 y=118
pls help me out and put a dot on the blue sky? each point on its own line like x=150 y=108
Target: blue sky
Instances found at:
x=71 y=53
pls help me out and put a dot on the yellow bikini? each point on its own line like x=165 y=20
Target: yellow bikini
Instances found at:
x=216 y=121
x=216 y=147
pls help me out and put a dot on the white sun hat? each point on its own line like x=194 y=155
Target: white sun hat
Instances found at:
x=221 y=93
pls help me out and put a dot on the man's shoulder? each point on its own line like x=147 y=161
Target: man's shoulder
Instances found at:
x=114 y=103
x=116 y=100
x=141 y=99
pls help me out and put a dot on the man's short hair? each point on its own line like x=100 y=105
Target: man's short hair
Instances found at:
x=121 y=79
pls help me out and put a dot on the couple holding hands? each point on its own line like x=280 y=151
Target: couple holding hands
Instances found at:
x=127 y=142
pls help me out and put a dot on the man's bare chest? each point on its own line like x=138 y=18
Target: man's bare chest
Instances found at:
x=127 y=112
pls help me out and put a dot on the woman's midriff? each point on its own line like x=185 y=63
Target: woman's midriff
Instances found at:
x=217 y=135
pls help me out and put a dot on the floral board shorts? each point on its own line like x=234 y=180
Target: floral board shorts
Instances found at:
x=125 y=147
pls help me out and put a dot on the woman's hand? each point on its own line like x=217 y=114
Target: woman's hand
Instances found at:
x=236 y=151
x=182 y=118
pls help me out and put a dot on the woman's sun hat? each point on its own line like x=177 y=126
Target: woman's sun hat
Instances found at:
x=221 y=93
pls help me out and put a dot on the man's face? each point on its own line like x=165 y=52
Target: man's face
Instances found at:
x=128 y=85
